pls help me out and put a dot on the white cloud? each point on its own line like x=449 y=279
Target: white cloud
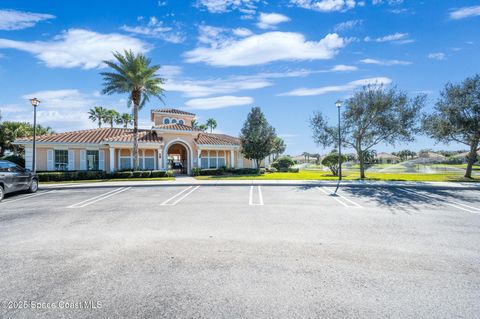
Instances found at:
x=347 y=25
x=465 y=12
x=77 y=48
x=400 y=38
x=242 y=32
x=343 y=68
x=337 y=88
x=218 y=102
x=384 y=62
x=326 y=5
x=236 y=83
x=222 y=6
x=437 y=56
x=270 y=20
x=61 y=99
x=156 y=29
x=169 y=71
x=265 y=48
x=17 y=20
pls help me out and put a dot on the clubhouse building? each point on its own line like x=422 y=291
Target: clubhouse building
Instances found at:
x=172 y=141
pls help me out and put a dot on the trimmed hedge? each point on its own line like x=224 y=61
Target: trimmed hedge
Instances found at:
x=89 y=175
x=230 y=171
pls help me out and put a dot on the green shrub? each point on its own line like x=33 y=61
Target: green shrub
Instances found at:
x=137 y=174
x=272 y=170
x=146 y=174
x=211 y=171
x=293 y=170
x=123 y=174
x=262 y=171
x=158 y=174
x=169 y=173
x=331 y=161
x=15 y=159
x=283 y=163
x=196 y=171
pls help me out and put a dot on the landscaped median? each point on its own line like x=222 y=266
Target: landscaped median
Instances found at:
x=321 y=175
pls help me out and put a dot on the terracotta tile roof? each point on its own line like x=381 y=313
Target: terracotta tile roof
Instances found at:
x=176 y=127
x=144 y=136
x=172 y=111
x=216 y=139
x=95 y=136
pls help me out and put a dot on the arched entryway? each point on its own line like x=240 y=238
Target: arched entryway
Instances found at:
x=178 y=158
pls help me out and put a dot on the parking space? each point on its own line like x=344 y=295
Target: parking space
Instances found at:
x=155 y=251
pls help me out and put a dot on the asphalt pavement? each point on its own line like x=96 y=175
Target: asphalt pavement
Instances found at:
x=240 y=251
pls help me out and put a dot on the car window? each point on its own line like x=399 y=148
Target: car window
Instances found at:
x=3 y=167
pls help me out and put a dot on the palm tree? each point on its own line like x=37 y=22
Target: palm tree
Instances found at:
x=278 y=147
x=203 y=127
x=125 y=119
x=195 y=124
x=211 y=124
x=97 y=114
x=133 y=74
x=110 y=117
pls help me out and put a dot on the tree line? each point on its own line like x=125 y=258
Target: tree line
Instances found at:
x=378 y=114
x=101 y=115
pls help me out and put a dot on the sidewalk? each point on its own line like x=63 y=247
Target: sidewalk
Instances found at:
x=189 y=181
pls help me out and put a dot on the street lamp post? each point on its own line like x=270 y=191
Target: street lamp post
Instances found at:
x=338 y=104
x=35 y=102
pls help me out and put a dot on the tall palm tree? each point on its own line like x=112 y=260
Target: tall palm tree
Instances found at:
x=110 y=117
x=211 y=124
x=133 y=74
x=97 y=115
x=125 y=119
x=203 y=127
x=195 y=124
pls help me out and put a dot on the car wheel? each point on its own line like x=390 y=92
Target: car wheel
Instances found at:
x=1 y=193
x=33 y=186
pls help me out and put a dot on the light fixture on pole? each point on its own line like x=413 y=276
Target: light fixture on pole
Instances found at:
x=338 y=104
x=35 y=102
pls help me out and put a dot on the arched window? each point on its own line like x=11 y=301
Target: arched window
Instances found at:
x=166 y=121
x=174 y=121
x=180 y=122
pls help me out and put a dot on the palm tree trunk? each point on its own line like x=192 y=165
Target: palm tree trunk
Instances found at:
x=472 y=156
x=135 y=136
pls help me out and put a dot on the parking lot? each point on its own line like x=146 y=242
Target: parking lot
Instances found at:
x=247 y=251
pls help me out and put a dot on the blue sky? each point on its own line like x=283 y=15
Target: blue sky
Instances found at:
x=221 y=57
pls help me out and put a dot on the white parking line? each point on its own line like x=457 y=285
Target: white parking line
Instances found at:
x=98 y=198
x=179 y=196
x=337 y=197
x=450 y=203
x=260 y=196
x=24 y=197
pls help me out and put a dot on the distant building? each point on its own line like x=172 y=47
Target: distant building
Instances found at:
x=387 y=158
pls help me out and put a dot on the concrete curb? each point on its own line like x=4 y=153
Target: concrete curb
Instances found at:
x=307 y=183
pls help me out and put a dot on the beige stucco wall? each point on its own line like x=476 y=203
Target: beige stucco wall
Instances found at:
x=158 y=119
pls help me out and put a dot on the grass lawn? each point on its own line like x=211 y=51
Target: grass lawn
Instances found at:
x=320 y=175
x=114 y=180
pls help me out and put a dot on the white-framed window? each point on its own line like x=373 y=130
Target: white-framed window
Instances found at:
x=181 y=122
x=125 y=163
x=92 y=160
x=166 y=120
x=149 y=163
x=61 y=160
x=213 y=159
x=174 y=121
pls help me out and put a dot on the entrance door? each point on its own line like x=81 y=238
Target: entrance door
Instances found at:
x=178 y=158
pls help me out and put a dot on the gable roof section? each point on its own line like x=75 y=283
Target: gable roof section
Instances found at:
x=175 y=127
x=172 y=111
x=96 y=136
x=216 y=139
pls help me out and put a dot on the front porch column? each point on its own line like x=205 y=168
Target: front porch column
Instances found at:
x=216 y=154
x=199 y=158
x=159 y=159
x=143 y=159
x=112 y=160
x=131 y=159
x=232 y=158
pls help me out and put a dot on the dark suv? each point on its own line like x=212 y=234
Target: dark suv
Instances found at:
x=14 y=178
